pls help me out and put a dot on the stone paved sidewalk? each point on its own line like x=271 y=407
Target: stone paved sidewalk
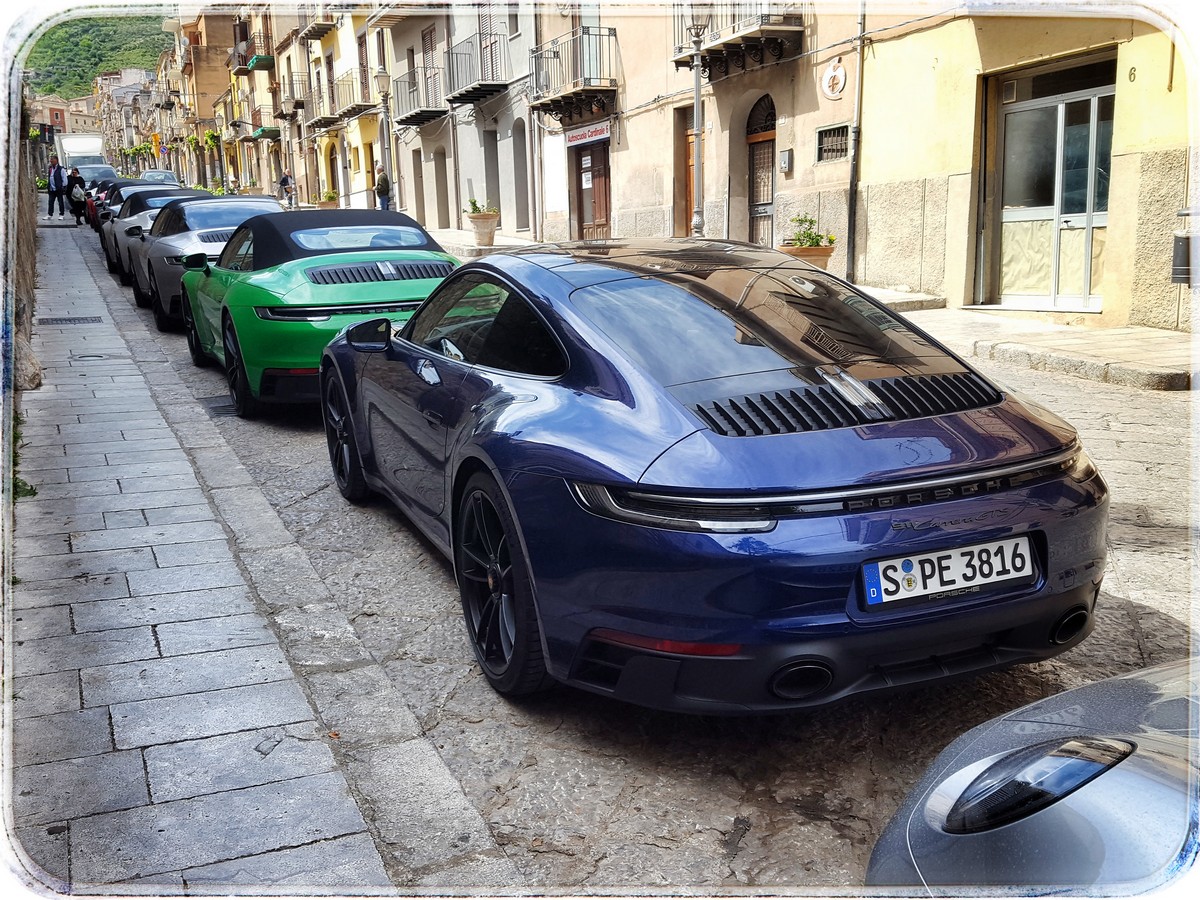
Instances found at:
x=160 y=740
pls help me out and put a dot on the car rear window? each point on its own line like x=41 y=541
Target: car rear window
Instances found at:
x=359 y=237
x=225 y=213
x=685 y=329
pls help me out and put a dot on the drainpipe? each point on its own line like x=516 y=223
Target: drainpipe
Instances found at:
x=855 y=142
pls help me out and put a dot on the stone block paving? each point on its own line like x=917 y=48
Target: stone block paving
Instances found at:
x=161 y=742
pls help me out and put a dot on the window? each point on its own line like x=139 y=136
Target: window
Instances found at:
x=239 y=252
x=833 y=143
x=483 y=323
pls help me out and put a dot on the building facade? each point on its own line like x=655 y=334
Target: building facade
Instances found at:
x=1033 y=165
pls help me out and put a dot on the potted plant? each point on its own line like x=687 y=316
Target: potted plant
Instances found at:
x=807 y=243
x=329 y=199
x=484 y=220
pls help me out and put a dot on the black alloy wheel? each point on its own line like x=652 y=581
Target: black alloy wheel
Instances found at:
x=123 y=272
x=108 y=260
x=200 y=359
x=245 y=404
x=497 y=597
x=140 y=298
x=162 y=319
x=339 y=435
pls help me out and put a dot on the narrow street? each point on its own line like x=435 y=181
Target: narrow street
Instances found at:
x=572 y=792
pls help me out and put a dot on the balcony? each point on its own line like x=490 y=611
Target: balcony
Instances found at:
x=418 y=96
x=478 y=68
x=352 y=95
x=263 y=125
x=735 y=35
x=575 y=73
x=297 y=88
x=315 y=23
x=385 y=14
x=238 y=62
x=318 y=110
x=260 y=52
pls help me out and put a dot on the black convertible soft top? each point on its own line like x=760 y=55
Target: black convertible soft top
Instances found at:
x=140 y=202
x=273 y=243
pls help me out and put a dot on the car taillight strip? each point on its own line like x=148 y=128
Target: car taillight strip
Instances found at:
x=298 y=313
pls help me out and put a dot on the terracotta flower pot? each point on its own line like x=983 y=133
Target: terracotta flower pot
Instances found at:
x=818 y=256
x=484 y=225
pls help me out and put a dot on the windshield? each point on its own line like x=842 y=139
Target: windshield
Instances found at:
x=359 y=237
x=225 y=214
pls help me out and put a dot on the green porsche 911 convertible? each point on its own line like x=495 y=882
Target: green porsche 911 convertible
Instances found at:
x=285 y=285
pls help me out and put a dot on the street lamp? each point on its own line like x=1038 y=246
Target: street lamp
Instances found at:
x=382 y=84
x=697 y=30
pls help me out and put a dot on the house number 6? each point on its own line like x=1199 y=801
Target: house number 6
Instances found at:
x=1133 y=73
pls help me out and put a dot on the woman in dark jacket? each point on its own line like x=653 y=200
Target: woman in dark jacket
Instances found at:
x=78 y=207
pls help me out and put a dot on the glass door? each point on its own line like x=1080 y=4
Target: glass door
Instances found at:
x=1056 y=154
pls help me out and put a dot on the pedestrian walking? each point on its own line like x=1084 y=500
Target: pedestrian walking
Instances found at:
x=383 y=187
x=287 y=188
x=76 y=192
x=56 y=188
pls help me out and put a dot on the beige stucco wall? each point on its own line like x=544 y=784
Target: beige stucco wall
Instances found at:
x=923 y=135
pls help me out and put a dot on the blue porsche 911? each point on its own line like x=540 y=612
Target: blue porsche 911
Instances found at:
x=703 y=476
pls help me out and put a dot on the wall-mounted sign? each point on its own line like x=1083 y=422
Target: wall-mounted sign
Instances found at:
x=587 y=134
x=833 y=82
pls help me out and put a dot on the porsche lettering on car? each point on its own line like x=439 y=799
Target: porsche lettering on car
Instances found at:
x=671 y=472
x=285 y=285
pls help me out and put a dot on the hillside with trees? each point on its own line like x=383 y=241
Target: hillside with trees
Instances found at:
x=67 y=58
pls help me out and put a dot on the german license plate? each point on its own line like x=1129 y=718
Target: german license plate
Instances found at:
x=949 y=573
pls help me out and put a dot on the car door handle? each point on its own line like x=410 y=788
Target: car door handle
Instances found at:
x=433 y=418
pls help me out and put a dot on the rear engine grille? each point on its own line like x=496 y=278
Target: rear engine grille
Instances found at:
x=361 y=273
x=215 y=237
x=820 y=407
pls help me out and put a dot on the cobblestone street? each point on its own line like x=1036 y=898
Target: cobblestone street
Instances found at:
x=455 y=787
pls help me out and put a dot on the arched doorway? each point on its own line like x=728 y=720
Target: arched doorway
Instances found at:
x=760 y=152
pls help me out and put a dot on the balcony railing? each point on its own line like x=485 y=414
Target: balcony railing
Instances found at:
x=297 y=88
x=418 y=96
x=352 y=94
x=263 y=125
x=318 y=111
x=478 y=68
x=576 y=72
x=260 y=52
x=734 y=32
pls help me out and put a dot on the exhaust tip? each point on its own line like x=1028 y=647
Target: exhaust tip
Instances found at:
x=1070 y=626
x=801 y=680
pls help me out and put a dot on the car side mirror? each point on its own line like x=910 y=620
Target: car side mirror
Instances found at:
x=105 y=216
x=133 y=231
x=371 y=336
x=195 y=262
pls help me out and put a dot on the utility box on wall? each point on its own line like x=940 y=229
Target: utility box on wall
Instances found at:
x=1186 y=252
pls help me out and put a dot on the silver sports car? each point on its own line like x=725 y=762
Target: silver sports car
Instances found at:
x=184 y=226
x=1090 y=791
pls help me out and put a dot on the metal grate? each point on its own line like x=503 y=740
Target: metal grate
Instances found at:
x=362 y=273
x=833 y=143
x=820 y=407
x=71 y=320
x=218 y=407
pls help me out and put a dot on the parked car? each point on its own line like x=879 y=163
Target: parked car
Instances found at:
x=92 y=173
x=99 y=195
x=285 y=285
x=159 y=176
x=184 y=225
x=1090 y=791
x=702 y=476
x=138 y=209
